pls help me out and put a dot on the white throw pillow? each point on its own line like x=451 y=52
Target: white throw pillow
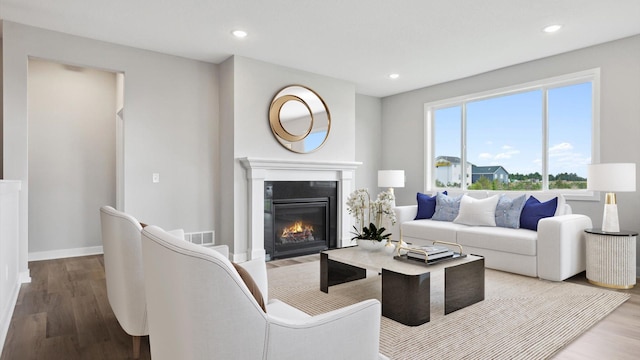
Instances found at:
x=480 y=212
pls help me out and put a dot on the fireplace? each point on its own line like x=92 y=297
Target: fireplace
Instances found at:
x=300 y=217
x=274 y=171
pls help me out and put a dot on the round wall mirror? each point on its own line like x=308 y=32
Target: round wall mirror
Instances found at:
x=299 y=119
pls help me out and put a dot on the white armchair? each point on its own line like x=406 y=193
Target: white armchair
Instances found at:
x=200 y=308
x=121 y=244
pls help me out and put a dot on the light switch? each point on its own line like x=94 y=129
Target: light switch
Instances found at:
x=156 y=177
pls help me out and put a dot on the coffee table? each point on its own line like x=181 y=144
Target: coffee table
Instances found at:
x=406 y=286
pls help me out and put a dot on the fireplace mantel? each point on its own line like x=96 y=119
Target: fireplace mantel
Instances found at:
x=276 y=164
x=260 y=170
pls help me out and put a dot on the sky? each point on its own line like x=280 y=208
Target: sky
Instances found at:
x=508 y=131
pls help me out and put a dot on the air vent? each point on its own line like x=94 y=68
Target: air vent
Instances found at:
x=200 y=237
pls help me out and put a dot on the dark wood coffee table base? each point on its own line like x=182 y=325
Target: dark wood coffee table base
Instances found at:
x=334 y=273
x=407 y=298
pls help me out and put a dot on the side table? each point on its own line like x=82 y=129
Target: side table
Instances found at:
x=611 y=258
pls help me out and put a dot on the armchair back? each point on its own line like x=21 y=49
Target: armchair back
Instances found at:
x=123 y=269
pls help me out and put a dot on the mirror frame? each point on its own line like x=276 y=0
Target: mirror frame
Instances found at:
x=282 y=135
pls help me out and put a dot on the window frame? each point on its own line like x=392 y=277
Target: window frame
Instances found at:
x=590 y=75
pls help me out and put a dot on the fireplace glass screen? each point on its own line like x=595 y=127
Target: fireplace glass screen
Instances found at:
x=299 y=217
x=299 y=225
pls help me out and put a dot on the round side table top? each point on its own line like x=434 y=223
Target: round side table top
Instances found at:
x=619 y=233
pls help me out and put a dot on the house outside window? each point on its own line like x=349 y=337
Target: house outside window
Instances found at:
x=534 y=136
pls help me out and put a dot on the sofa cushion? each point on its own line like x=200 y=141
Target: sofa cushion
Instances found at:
x=447 y=207
x=508 y=211
x=251 y=285
x=563 y=207
x=534 y=210
x=516 y=241
x=480 y=212
x=430 y=230
x=277 y=308
x=426 y=205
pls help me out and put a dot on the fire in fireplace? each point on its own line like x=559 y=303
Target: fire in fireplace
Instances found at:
x=298 y=232
x=300 y=217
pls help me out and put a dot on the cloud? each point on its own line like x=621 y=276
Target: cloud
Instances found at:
x=563 y=158
x=559 y=149
x=485 y=156
x=508 y=153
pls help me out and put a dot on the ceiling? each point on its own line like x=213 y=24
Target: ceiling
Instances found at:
x=361 y=41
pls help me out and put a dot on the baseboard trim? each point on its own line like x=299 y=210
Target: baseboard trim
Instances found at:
x=7 y=314
x=24 y=277
x=65 y=253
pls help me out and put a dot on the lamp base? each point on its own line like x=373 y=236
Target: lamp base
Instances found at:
x=610 y=218
x=393 y=202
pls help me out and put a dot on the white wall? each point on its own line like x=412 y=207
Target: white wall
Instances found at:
x=368 y=140
x=619 y=61
x=9 y=269
x=1 y=102
x=170 y=127
x=72 y=118
x=249 y=87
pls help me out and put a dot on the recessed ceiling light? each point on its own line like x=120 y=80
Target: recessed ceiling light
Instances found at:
x=394 y=76
x=239 y=33
x=552 y=28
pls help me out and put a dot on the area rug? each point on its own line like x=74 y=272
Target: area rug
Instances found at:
x=520 y=318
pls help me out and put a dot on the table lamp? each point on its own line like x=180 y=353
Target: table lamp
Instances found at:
x=612 y=177
x=391 y=179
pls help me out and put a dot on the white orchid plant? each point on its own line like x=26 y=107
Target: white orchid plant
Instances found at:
x=373 y=213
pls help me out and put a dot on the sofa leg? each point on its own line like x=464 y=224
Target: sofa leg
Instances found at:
x=136 y=347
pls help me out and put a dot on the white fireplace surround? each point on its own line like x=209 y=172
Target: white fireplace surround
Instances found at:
x=261 y=170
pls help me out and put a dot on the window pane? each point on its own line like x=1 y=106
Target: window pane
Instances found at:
x=504 y=142
x=570 y=119
x=447 y=138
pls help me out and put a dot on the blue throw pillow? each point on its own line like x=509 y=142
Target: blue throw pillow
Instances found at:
x=534 y=210
x=508 y=211
x=447 y=207
x=426 y=206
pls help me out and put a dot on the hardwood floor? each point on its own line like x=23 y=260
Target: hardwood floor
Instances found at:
x=64 y=314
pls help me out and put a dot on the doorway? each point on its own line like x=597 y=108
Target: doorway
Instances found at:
x=74 y=133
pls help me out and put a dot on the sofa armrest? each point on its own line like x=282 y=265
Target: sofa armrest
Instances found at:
x=179 y=233
x=403 y=214
x=222 y=249
x=561 y=249
x=288 y=338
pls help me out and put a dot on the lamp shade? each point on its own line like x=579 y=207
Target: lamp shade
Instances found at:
x=391 y=178
x=612 y=177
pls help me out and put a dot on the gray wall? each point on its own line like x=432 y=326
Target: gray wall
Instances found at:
x=248 y=88
x=619 y=61
x=170 y=127
x=368 y=141
x=72 y=118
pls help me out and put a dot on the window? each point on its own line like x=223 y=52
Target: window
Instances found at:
x=536 y=136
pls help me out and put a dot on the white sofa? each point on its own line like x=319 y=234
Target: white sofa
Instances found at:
x=555 y=251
